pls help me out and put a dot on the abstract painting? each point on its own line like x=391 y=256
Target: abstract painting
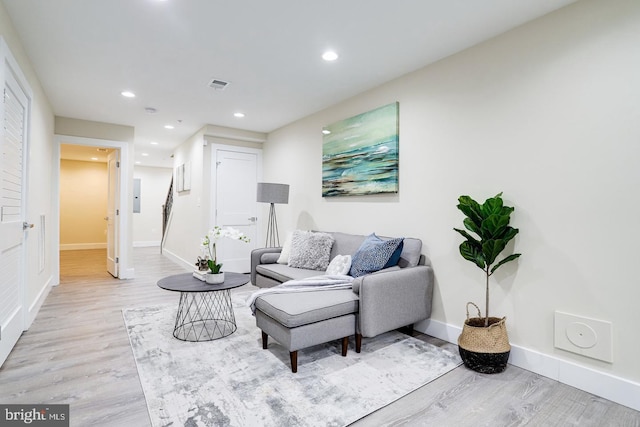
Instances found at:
x=360 y=154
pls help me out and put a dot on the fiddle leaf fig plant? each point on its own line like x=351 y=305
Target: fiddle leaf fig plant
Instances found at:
x=489 y=223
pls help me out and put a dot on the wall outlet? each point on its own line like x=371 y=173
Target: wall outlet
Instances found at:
x=582 y=335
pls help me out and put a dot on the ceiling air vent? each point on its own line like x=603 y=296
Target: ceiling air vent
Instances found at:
x=218 y=84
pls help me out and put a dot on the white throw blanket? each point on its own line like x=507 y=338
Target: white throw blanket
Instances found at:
x=315 y=283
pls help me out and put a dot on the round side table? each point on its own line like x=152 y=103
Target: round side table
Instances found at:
x=205 y=311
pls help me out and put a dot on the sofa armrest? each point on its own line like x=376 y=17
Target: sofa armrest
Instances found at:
x=256 y=259
x=393 y=299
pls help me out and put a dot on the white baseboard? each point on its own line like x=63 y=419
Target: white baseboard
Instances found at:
x=175 y=258
x=80 y=246
x=146 y=244
x=611 y=387
x=35 y=306
x=129 y=273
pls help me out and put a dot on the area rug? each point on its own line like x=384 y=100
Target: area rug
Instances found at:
x=234 y=382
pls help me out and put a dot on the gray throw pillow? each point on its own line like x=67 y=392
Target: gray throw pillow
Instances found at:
x=310 y=250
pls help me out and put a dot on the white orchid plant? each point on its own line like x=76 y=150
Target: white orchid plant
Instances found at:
x=208 y=244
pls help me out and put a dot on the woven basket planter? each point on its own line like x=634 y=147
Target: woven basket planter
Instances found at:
x=482 y=348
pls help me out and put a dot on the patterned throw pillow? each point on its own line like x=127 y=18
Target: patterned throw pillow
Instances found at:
x=374 y=254
x=310 y=250
x=340 y=264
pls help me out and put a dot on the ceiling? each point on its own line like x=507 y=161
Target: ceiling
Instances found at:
x=167 y=51
x=84 y=153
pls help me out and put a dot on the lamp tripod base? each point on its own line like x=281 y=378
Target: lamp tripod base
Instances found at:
x=273 y=239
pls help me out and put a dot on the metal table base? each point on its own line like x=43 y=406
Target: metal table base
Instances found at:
x=204 y=316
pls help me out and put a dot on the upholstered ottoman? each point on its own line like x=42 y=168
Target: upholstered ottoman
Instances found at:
x=302 y=319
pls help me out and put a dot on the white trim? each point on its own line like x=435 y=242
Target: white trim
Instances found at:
x=603 y=384
x=129 y=273
x=125 y=271
x=146 y=244
x=181 y=261
x=81 y=246
x=37 y=303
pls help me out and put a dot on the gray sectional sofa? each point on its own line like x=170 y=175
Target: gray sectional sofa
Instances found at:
x=377 y=302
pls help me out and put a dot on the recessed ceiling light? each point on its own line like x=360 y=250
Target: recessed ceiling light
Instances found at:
x=94 y=158
x=329 y=55
x=128 y=94
x=145 y=154
x=238 y=115
x=153 y=143
x=169 y=127
x=138 y=162
x=326 y=131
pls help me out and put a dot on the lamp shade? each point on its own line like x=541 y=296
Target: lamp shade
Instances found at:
x=273 y=193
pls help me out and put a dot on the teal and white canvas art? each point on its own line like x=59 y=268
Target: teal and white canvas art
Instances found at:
x=360 y=154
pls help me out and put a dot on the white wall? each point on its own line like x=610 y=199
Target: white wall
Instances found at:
x=188 y=213
x=192 y=210
x=84 y=190
x=154 y=185
x=549 y=113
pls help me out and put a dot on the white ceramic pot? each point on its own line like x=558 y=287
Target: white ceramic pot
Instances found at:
x=214 y=279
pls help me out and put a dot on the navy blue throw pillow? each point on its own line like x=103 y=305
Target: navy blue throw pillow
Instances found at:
x=375 y=254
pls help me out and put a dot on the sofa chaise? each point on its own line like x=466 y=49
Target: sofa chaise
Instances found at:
x=381 y=298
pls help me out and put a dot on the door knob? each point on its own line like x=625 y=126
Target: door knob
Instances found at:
x=26 y=225
x=253 y=218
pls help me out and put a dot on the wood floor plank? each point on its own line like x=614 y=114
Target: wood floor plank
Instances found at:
x=77 y=351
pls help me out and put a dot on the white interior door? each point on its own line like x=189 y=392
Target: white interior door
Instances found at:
x=13 y=139
x=113 y=212
x=236 y=181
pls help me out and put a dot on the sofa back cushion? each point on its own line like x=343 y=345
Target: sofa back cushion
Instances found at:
x=410 y=256
x=348 y=244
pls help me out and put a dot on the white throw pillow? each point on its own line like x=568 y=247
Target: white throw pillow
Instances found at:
x=341 y=264
x=286 y=250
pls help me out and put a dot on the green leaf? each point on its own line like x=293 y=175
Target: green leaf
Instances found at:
x=215 y=268
x=472 y=253
x=469 y=237
x=504 y=261
x=492 y=206
x=509 y=233
x=492 y=248
x=494 y=226
x=471 y=226
x=471 y=209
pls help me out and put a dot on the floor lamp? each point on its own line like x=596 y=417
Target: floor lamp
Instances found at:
x=273 y=193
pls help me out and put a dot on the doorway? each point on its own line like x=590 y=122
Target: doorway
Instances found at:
x=111 y=214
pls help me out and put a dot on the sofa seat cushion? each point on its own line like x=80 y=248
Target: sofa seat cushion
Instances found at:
x=282 y=272
x=302 y=308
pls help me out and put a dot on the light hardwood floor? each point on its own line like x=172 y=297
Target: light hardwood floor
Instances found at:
x=77 y=352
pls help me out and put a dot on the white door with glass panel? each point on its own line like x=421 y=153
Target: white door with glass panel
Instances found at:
x=236 y=179
x=13 y=140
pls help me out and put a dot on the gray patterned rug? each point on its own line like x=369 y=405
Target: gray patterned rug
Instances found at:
x=234 y=382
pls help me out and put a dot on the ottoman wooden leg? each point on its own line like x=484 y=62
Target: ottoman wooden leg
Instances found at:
x=358 y=342
x=293 y=355
x=345 y=345
x=265 y=340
